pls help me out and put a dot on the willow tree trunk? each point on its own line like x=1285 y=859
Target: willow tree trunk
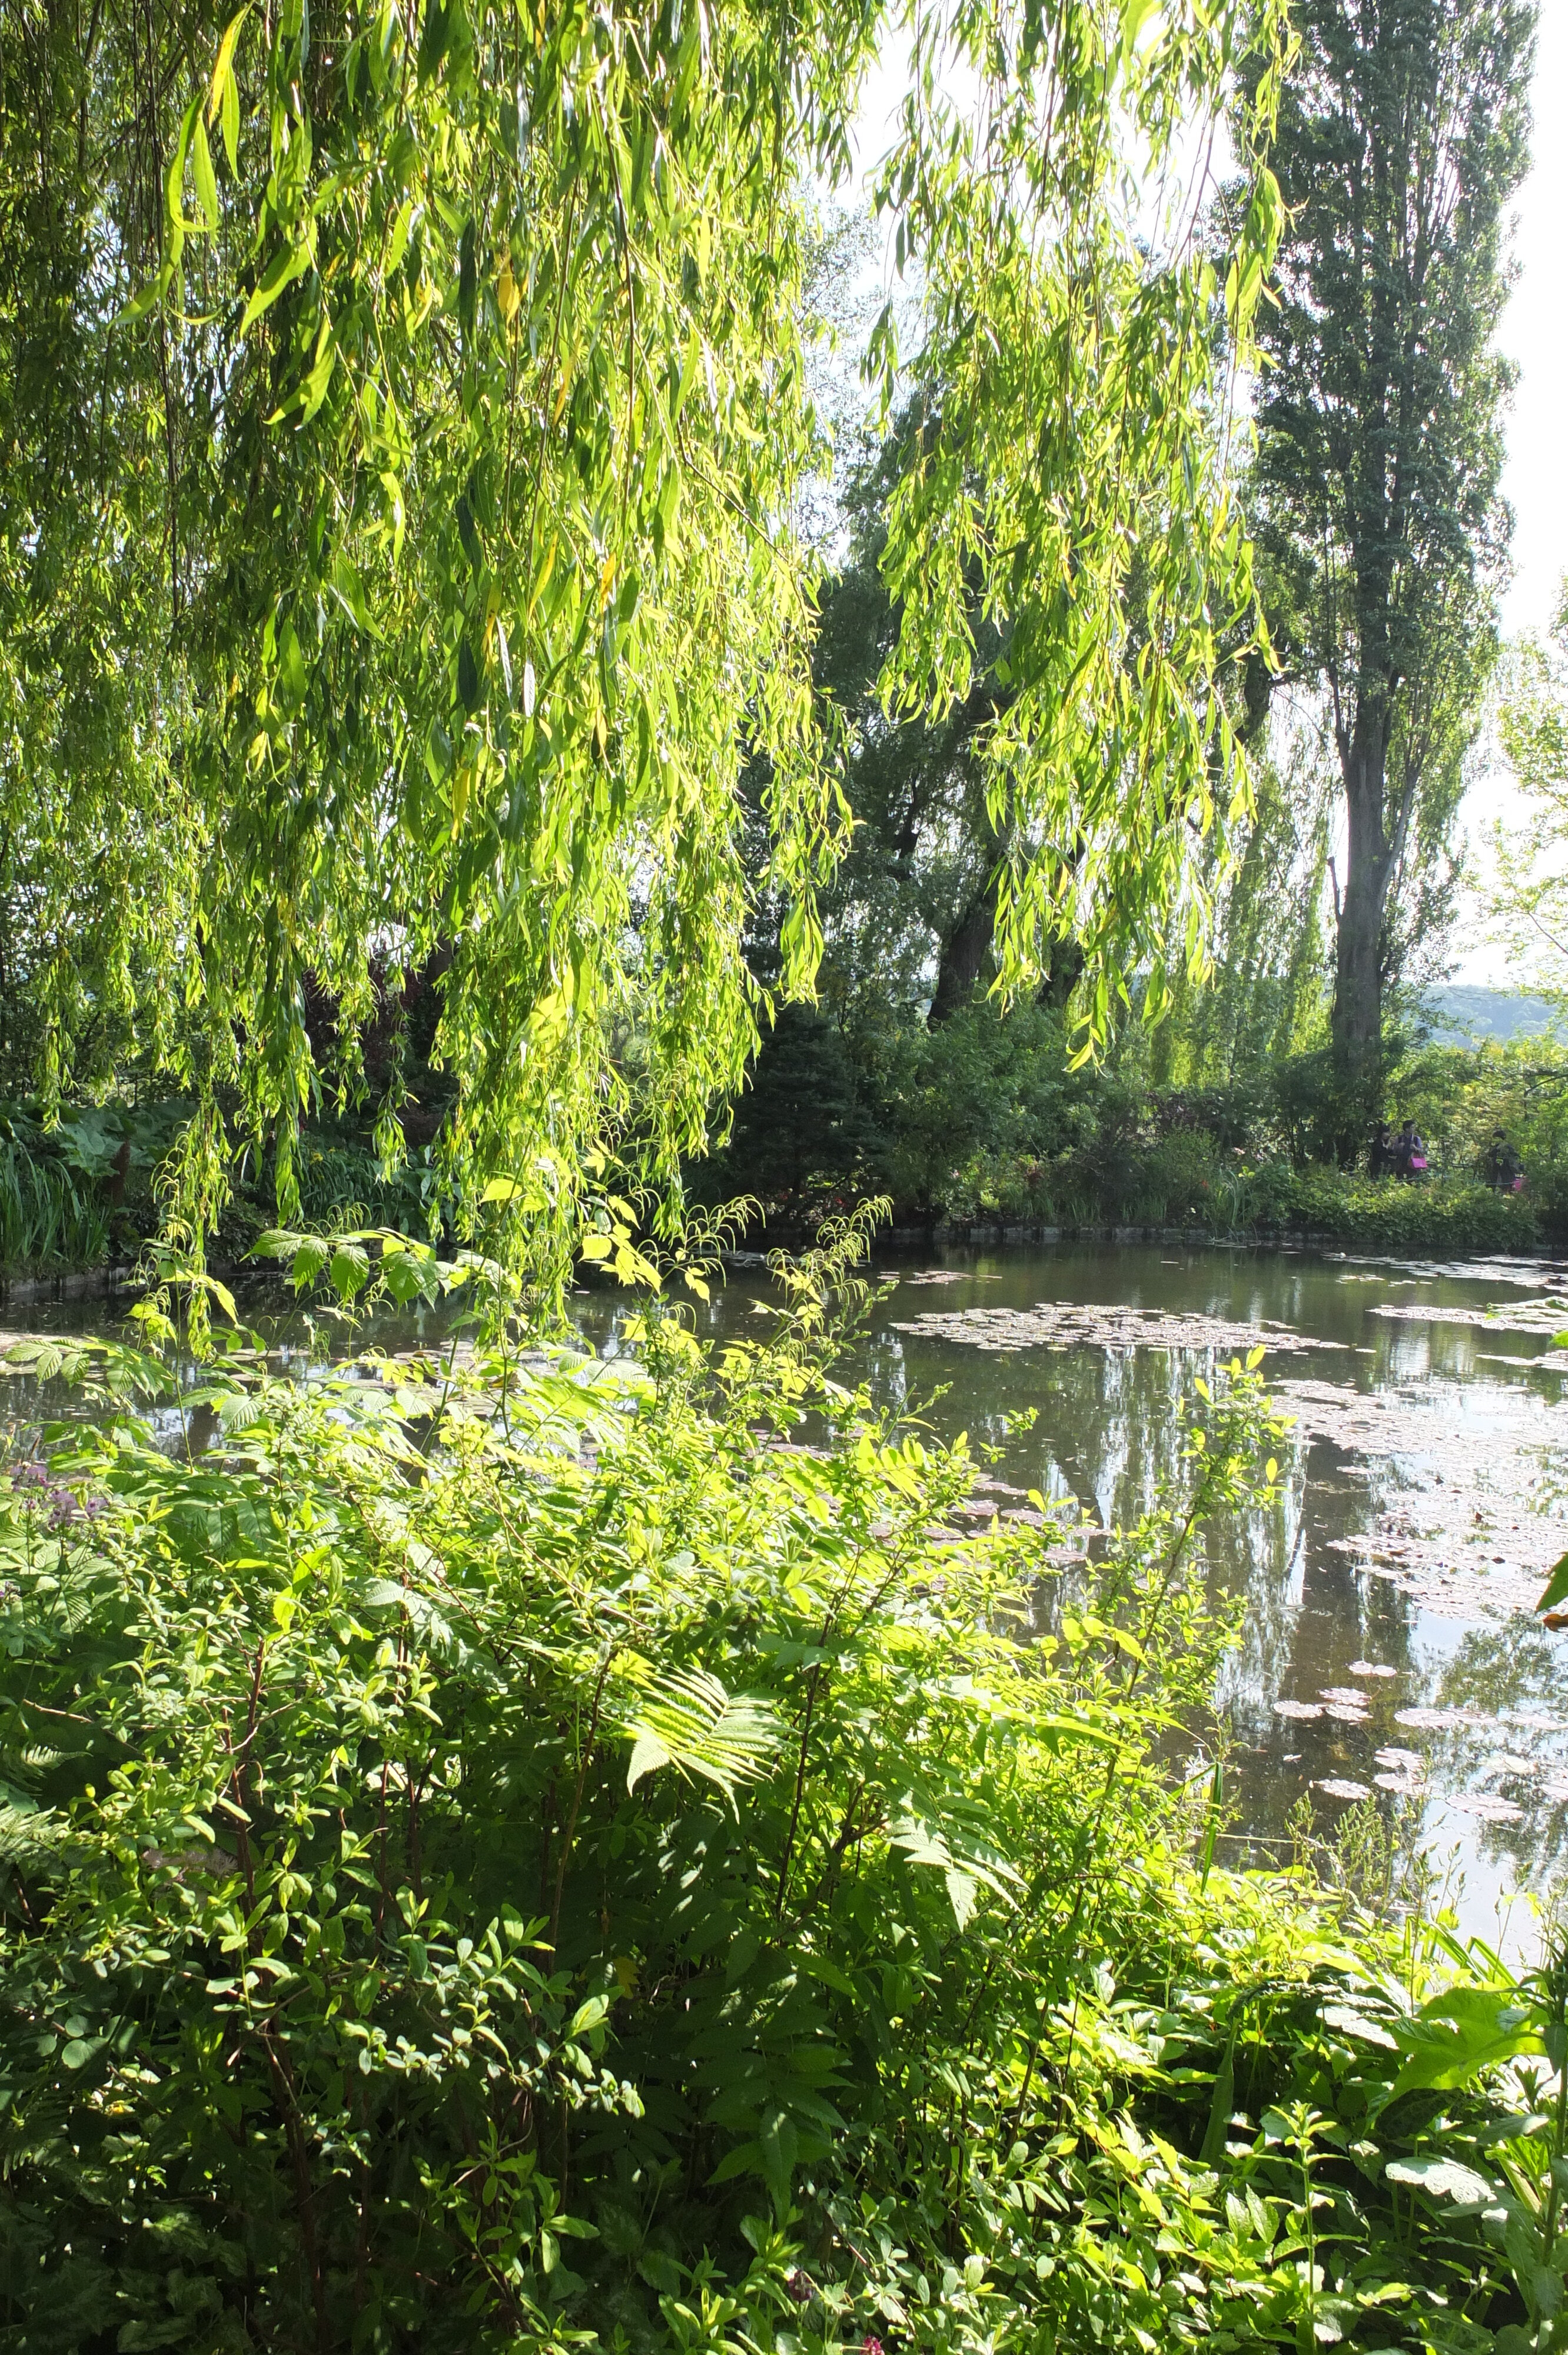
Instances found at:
x=964 y=953
x=1358 y=970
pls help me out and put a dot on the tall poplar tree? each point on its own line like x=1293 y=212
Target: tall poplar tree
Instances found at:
x=1401 y=136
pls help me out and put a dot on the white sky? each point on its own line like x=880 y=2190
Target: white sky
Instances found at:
x=1535 y=334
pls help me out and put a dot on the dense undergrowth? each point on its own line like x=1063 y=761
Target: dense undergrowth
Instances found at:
x=90 y=1190
x=524 y=1854
x=983 y=1121
x=52 y=1213
x=980 y=1123
x=1195 y=1186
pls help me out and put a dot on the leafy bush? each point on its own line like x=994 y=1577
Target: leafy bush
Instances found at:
x=982 y=1122
x=1460 y=1216
x=986 y=1088
x=936 y=1118
x=805 y=1127
x=539 y=1858
x=1172 y=1182
x=342 y=1184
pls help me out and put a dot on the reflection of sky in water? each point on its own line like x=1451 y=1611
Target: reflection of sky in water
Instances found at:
x=1107 y=1433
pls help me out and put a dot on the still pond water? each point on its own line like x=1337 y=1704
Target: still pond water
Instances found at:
x=1388 y=1649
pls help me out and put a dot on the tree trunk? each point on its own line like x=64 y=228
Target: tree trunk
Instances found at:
x=1358 y=964
x=964 y=953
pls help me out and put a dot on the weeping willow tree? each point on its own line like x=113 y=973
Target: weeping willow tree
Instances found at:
x=96 y=850
x=413 y=418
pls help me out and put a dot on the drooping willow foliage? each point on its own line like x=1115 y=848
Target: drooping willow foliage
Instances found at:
x=405 y=414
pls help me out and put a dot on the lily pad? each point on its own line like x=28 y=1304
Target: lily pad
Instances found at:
x=1082 y=1324
x=1482 y=1803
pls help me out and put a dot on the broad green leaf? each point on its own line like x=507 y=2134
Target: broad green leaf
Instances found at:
x=349 y=1268
x=1443 y=2179
x=1458 y=2033
x=1351 y=2022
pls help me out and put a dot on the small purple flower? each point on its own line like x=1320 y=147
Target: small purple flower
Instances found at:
x=32 y=1483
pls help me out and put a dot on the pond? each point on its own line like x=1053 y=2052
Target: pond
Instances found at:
x=1388 y=1650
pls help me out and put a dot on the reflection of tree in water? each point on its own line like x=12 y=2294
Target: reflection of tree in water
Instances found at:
x=1505 y=1673
x=1108 y=1430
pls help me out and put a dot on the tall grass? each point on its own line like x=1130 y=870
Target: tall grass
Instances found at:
x=49 y=1217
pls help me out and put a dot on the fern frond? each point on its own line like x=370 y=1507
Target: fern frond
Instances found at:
x=29 y=1835
x=690 y=1721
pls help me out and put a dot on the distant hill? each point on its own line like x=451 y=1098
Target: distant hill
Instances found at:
x=1459 y=1010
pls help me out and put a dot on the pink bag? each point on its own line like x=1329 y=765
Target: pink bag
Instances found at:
x=1519 y=1183
x=1418 y=1161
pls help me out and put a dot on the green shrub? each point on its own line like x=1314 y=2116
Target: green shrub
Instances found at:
x=342 y=1185
x=987 y=1092
x=805 y=1127
x=534 y=1858
x=1172 y=1181
x=1435 y=1215
x=52 y=1216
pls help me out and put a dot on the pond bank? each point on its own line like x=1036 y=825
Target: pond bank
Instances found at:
x=1271 y=1207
